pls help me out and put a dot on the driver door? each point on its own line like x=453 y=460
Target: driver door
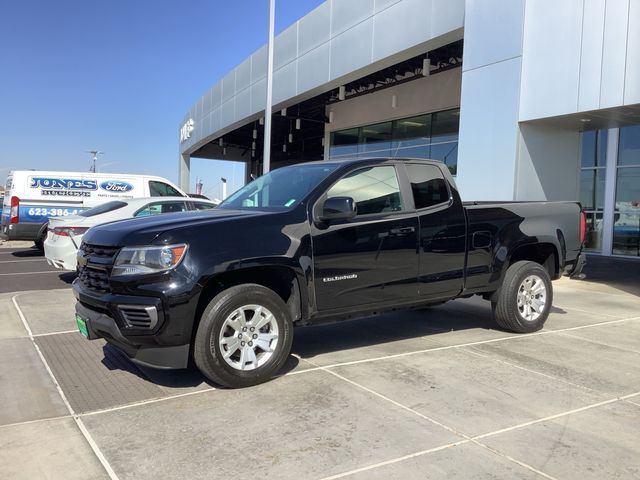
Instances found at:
x=373 y=257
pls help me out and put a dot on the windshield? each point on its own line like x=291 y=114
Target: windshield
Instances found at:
x=279 y=189
x=104 y=208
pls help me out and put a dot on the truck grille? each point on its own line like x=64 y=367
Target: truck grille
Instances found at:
x=94 y=279
x=139 y=316
x=98 y=261
x=98 y=251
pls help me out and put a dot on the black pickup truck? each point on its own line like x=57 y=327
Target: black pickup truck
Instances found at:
x=313 y=243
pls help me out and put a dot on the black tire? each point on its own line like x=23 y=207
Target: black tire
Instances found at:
x=207 y=352
x=506 y=311
x=42 y=235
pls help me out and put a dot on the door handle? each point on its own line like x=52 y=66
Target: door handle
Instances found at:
x=402 y=232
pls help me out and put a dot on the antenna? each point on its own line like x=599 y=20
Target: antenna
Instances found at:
x=94 y=158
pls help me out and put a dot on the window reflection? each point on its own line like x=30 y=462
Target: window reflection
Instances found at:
x=428 y=136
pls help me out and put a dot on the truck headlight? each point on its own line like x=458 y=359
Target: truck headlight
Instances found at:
x=143 y=260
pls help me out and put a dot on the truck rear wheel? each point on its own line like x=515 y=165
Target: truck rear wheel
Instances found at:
x=244 y=336
x=525 y=298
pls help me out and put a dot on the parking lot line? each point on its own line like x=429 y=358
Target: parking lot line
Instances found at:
x=467 y=438
x=94 y=446
x=25 y=260
x=54 y=333
x=39 y=420
x=32 y=273
x=557 y=415
x=395 y=460
x=480 y=342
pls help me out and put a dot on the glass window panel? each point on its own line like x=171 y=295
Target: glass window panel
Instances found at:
x=594 y=232
x=592 y=188
x=629 y=147
x=376 y=138
x=447 y=153
x=588 y=148
x=375 y=190
x=161 y=189
x=427 y=185
x=444 y=126
x=422 y=151
x=344 y=142
x=627 y=188
x=626 y=232
x=601 y=153
x=412 y=131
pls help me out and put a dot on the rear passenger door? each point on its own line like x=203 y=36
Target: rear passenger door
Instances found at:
x=442 y=230
x=372 y=258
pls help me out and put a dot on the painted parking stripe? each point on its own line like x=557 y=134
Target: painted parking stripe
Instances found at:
x=20 y=261
x=94 y=446
x=33 y=273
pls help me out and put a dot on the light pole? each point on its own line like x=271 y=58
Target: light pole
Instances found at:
x=266 y=156
x=224 y=187
x=94 y=157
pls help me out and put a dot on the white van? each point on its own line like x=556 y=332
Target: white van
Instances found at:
x=32 y=196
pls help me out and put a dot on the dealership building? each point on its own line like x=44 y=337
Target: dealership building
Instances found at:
x=523 y=100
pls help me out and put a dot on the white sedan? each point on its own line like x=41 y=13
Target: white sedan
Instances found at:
x=65 y=233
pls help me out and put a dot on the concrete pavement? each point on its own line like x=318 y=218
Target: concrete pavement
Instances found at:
x=436 y=393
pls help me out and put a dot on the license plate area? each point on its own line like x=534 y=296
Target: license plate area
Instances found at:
x=82 y=326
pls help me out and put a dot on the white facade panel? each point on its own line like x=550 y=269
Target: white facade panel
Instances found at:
x=345 y=14
x=259 y=64
x=382 y=4
x=285 y=48
x=243 y=75
x=446 y=16
x=228 y=86
x=314 y=29
x=284 y=83
x=216 y=95
x=258 y=95
x=215 y=119
x=492 y=31
x=415 y=18
x=632 y=73
x=313 y=68
x=614 y=53
x=228 y=112
x=591 y=55
x=488 y=131
x=351 y=50
x=550 y=58
x=243 y=104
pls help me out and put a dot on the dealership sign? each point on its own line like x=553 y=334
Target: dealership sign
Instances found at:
x=186 y=129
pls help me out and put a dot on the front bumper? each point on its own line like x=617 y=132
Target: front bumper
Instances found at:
x=163 y=343
x=100 y=325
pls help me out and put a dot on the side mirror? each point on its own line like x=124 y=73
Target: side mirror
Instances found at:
x=338 y=208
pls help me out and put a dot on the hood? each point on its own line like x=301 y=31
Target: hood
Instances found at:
x=144 y=230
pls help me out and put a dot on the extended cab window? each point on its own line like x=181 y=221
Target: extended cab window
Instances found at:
x=374 y=189
x=161 y=207
x=427 y=184
x=161 y=189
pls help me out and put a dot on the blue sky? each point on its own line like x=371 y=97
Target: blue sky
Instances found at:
x=119 y=76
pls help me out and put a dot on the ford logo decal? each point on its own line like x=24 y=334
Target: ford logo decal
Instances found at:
x=116 y=186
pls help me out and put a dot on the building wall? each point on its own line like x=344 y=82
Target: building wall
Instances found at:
x=579 y=55
x=339 y=41
x=428 y=94
x=491 y=69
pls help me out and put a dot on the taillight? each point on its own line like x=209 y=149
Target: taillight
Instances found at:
x=583 y=227
x=69 y=231
x=14 y=213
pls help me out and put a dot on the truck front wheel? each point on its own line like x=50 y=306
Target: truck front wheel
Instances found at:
x=244 y=336
x=525 y=298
